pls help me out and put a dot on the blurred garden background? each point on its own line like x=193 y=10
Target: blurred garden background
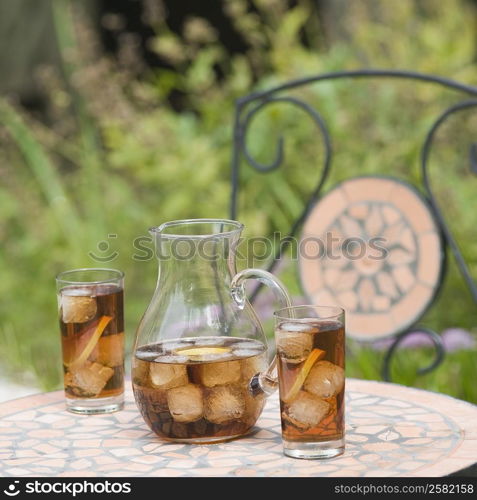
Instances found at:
x=116 y=116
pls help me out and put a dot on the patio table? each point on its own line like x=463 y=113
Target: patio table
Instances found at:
x=391 y=430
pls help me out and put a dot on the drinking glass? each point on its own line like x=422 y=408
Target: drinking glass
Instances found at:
x=311 y=361
x=90 y=305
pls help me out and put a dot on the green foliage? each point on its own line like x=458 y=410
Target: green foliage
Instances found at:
x=117 y=159
x=454 y=376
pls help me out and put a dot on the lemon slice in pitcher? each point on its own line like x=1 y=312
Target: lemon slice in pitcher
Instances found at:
x=198 y=353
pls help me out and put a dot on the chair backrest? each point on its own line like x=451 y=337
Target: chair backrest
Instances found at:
x=374 y=244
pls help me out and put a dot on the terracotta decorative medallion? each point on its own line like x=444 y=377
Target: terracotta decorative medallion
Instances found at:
x=391 y=430
x=371 y=246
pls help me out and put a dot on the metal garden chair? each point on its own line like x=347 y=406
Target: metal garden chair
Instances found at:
x=384 y=295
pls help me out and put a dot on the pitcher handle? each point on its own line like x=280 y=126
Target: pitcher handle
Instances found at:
x=265 y=382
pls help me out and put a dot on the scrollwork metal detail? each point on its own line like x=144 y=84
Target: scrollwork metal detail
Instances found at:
x=461 y=106
x=473 y=158
x=279 y=157
x=433 y=337
x=241 y=146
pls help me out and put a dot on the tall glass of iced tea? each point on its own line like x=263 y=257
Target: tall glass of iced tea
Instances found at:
x=311 y=369
x=90 y=304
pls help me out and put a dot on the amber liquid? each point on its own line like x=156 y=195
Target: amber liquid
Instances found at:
x=312 y=390
x=92 y=339
x=202 y=397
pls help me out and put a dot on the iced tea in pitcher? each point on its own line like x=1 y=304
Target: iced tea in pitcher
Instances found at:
x=92 y=339
x=200 y=370
x=196 y=389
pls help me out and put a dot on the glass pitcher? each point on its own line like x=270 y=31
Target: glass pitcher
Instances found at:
x=200 y=358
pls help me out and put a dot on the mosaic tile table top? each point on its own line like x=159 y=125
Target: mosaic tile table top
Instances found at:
x=391 y=431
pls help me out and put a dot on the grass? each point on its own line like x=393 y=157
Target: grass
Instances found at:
x=453 y=377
